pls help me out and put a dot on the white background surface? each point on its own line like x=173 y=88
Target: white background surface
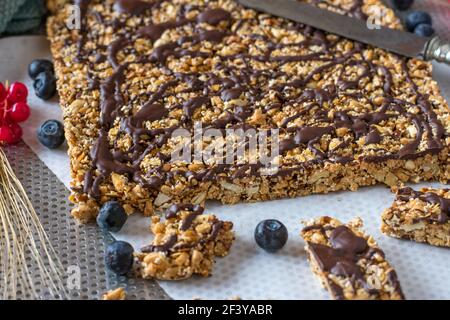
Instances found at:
x=249 y=272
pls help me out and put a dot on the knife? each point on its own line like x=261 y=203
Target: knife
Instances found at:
x=400 y=42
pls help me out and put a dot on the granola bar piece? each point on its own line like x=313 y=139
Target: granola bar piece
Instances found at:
x=116 y=294
x=422 y=216
x=348 y=115
x=185 y=243
x=349 y=263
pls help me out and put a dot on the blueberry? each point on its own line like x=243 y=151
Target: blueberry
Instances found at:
x=40 y=65
x=271 y=235
x=424 y=30
x=51 y=134
x=415 y=18
x=111 y=217
x=119 y=257
x=45 y=85
x=402 y=4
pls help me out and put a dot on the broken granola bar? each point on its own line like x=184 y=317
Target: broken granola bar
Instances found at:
x=186 y=242
x=422 y=216
x=349 y=263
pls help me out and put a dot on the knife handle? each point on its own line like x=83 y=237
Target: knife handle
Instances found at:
x=437 y=49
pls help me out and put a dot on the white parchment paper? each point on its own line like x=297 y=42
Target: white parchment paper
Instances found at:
x=249 y=272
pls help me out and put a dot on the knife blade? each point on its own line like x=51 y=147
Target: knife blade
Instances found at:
x=403 y=43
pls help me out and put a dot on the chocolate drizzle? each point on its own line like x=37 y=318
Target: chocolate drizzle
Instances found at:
x=214 y=16
x=195 y=210
x=341 y=258
x=167 y=246
x=186 y=223
x=149 y=112
x=83 y=5
x=406 y=194
x=111 y=98
x=132 y=7
x=217 y=25
x=373 y=137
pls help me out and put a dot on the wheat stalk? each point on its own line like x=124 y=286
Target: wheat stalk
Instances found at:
x=28 y=261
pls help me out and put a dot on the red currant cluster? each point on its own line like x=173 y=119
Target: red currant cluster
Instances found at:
x=13 y=109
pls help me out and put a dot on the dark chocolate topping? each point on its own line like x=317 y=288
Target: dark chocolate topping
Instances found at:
x=193 y=104
x=215 y=230
x=373 y=137
x=393 y=281
x=342 y=238
x=173 y=211
x=167 y=246
x=231 y=94
x=214 y=16
x=133 y=7
x=149 y=112
x=342 y=256
x=171 y=243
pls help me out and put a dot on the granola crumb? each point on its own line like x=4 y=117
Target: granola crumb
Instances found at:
x=116 y=294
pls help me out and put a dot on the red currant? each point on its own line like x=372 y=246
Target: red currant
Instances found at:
x=18 y=92
x=6 y=119
x=20 y=112
x=17 y=132
x=6 y=134
x=3 y=93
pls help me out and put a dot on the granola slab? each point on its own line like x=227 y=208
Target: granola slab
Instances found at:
x=348 y=115
x=185 y=243
x=422 y=216
x=349 y=263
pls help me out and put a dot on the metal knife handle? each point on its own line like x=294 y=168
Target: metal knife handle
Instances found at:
x=437 y=49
